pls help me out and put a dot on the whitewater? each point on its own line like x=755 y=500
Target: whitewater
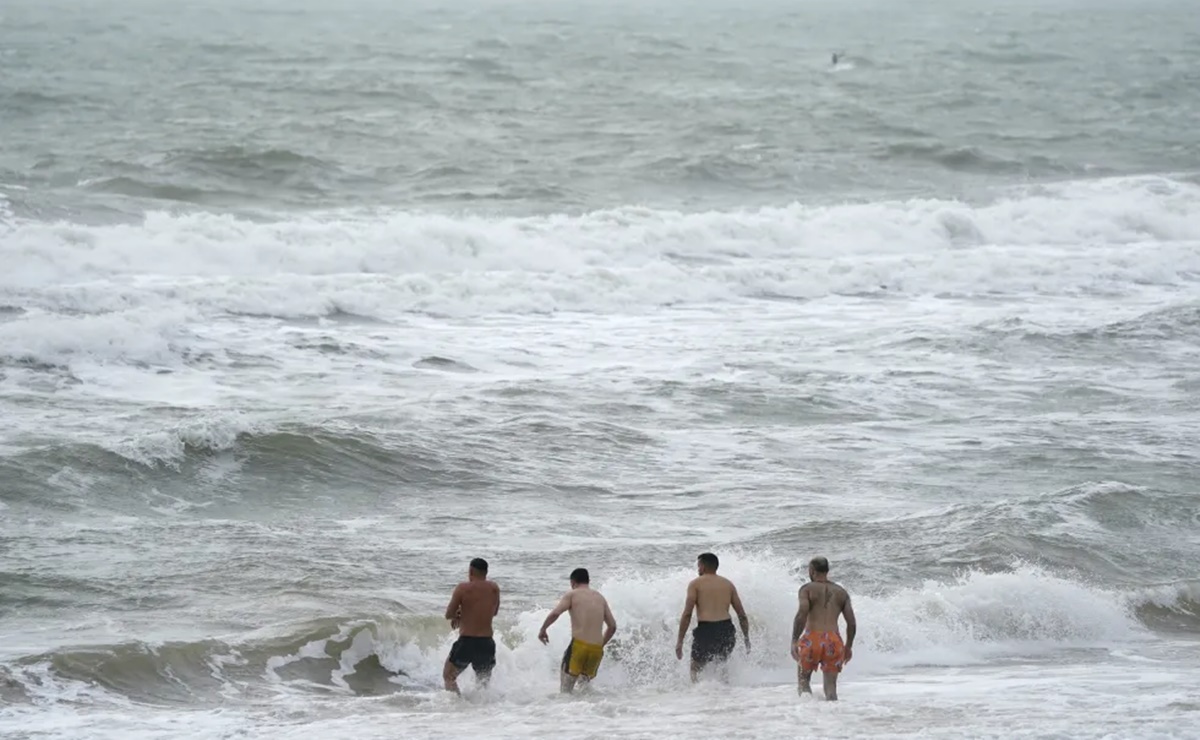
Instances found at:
x=304 y=305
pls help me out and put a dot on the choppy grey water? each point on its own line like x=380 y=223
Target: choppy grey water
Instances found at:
x=305 y=304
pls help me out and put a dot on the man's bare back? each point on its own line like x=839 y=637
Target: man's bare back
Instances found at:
x=592 y=626
x=589 y=611
x=826 y=600
x=711 y=597
x=475 y=604
x=714 y=597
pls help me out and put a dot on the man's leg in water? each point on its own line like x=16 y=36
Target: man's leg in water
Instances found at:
x=450 y=676
x=724 y=671
x=805 y=680
x=567 y=682
x=830 y=680
x=696 y=667
x=483 y=676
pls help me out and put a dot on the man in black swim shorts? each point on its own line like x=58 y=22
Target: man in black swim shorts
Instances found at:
x=713 y=641
x=472 y=606
x=711 y=597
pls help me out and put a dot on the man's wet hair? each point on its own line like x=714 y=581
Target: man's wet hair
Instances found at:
x=479 y=565
x=580 y=575
x=708 y=560
x=819 y=564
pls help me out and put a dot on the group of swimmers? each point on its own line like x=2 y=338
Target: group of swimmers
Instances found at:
x=816 y=640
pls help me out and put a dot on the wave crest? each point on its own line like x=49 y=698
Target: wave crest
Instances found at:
x=977 y=617
x=1113 y=235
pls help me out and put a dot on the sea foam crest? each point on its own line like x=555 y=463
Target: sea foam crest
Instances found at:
x=1074 y=215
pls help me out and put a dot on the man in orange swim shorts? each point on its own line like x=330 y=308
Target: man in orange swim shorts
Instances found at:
x=821 y=603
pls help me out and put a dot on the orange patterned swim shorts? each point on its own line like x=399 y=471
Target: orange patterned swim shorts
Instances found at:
x=824 y=649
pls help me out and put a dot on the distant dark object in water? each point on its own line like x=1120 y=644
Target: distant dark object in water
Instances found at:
x=443 y=363
x=835 y=58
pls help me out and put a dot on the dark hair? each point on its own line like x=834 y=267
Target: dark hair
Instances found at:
x=708 y=560
x=480 y=565
x=580 y=575
x=819 y=564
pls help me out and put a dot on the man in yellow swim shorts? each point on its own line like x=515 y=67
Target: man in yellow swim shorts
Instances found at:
x=592 y=626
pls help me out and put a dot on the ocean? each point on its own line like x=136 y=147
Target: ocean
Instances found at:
x=305 y=304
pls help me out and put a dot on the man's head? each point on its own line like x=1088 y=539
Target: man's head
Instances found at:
x=479 y=568
x=818 y=568
x=707 y=563
x=580 y=577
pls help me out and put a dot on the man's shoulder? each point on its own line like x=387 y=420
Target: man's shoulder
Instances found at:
x=713 y=582
x=591 y=599
x=703 y=583
x=839 y=591
x=721 y=582
x=489 y=586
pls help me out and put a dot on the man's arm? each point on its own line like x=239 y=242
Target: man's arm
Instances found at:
x=610 y=624
x=801 y=614
x=801 y=619
x=686 y=620
x=743 y=620
x=851 y=627
x=563 y=605
x=497 y=601
x=455 y=604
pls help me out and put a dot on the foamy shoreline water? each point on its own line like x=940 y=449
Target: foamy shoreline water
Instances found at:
x=304 y=305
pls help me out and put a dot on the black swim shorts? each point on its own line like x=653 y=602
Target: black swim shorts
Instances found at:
x=713 y=641
x=477 y=652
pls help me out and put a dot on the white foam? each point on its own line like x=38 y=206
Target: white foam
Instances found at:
x=213 y=431
x=137 y=336
x=1174 y=596
x=1054 y=701
x=982 y=615
x=969 y=621
x=1106 y=235
x=6 y=213
x=911 y=649
x=940 y=623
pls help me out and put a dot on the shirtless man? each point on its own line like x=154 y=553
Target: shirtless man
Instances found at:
x=711 y=596
x=472 y=606
x=821 y=603
x=589 y=612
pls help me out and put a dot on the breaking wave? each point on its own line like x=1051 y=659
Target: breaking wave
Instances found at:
x=974 y=618
x=1107 y=235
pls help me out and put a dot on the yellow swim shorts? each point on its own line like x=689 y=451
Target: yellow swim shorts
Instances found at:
x=582 y=658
